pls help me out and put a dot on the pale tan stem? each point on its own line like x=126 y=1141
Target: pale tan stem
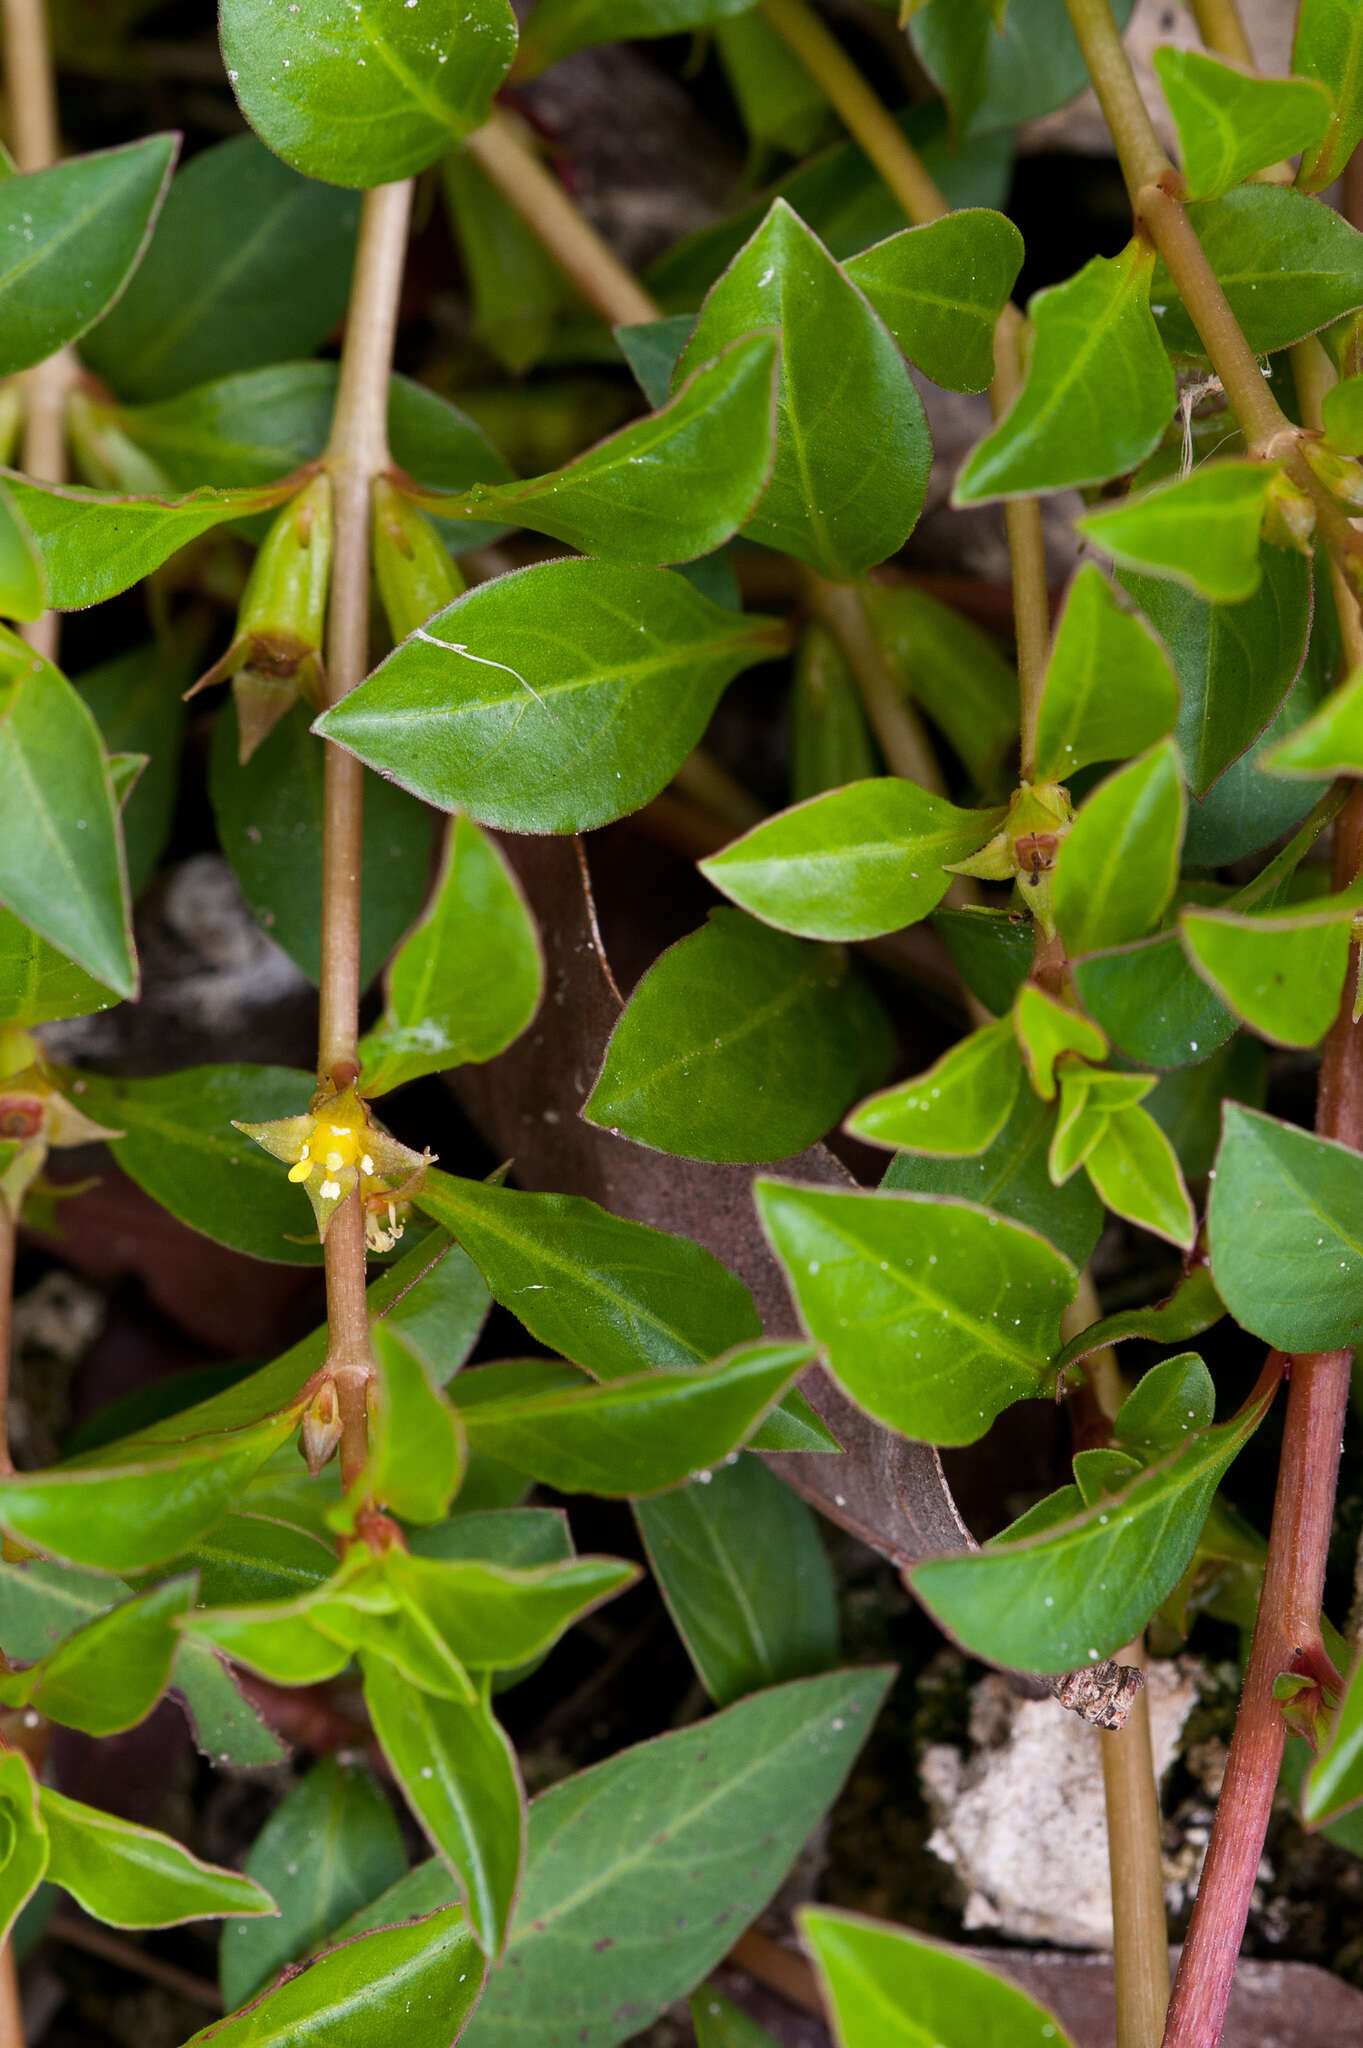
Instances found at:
x=1139 y=1927
x=604 y=282
x=1223 y=32
x=902 y=739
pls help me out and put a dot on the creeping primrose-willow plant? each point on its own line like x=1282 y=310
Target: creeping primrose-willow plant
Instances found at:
x=1141 y=857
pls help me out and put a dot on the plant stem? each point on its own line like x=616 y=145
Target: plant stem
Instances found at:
x=1221 y=29
x=8 y=1232
x=903 y=742
x=1140 y=1935
x=356 y=453
x=604 y=282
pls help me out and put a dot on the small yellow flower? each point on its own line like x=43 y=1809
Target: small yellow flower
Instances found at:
x=337 y=1147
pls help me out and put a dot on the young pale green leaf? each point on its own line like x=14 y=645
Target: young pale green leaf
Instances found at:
x=830 y=742
x=417 y=1452
x=553 y=699
x=1118 y=865
x=1012 y=1178
x=740 y=1563
x=632 y=1888
x=718 y=2024
x=1334 y=1783
x=852 y=863
x=129 y=1876
x=136 y=1503
x=559 y=26
x=61 y=856
x=1200 y=530
x=178 y=1143
x=954 y=671
x=364 y=92
x=935 y=1315
x=109 y=1674
x=459 y=1775
x=665 y=489
x=329 y=1847
x=1287 y=264
x=940 y=289
x=1075 y=1591
x=416 y=1983
x=1284 y=1235
x=1108 y=690
x=998 y=65
x=740 y=1044
x=1235 y=662
x=1047 y=1030
x=1177 y=1396
x=95 y=544
x=1137 y=1175
x=23 y=580
x=849 y=483
x=1231 y=124
x=1330 y=743
x=24 y=1838
x=1099 y=390
x=896 y=1990
x=249 y=264
x=467 y=981
x=637 y=1435
x=1282 y=973
x=1193 y=1307
x=280 y=1640
x=1329 y=48
x=72 y=235
x=957 y=1108
x=1151 y=1004
x=493 y=1618
x=269 y=819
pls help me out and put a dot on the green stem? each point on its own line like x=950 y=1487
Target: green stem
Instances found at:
x=903 y=742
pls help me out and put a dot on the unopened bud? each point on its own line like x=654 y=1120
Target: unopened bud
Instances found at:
x=1289 y=516
x=1340 y=474
x=321 y=1432
x=413 y=567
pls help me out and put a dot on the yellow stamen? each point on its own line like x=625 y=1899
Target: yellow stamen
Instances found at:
x=303 y=1168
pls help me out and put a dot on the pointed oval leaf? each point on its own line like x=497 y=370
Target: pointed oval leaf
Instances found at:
x=364 y=92
x=849 y=483
x=1108 y=692
x=1175 y=1397
x=1331 y=742
x=1282 y=973
x=1151 y=1004
x=1136 y=1172
x=940 y=289
x=954 y=1110
x=1193 y=1307
x=740 y=1044
x=1287 y=264
x=1329 y=47
x=1201 y=530
x=417 y=1452
x=998 y=65
x=606 y=677
x=493 y=1617
x=1074 y=1592
x=109 y=1674
x=23 y=579
x=72 y=236
x=852 y=863
x=130 y=1876
x=1231 y=124
x=935 y=1315
x=1099 y=390
x=1047 y=1029
x=1118 y=865
x=1284 y=1234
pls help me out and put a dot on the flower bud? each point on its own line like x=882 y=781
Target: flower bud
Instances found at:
x=415 y=572
x=1289 y=516
x=321 y=1431
x=1340 y=474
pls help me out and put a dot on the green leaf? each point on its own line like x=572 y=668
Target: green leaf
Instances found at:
x=512 y=1536
x=1151 y=1004
x=517 y=290
x=24 y=1837
x=492 y=1618
x=1118 y=865
x=458 y=1773
x=1047 y=1029
x=138 y=1502
x=635 y=1435
x=852 y=863
x=72 y=235
x=1334 y=1783
x=1341 y=410
x=467 y=981
x=603 y=707
x=1248 y=809
x=1108 y=690
x=252 y=1555
x=1200 y=530
x=416 y=1457
x=365 y=94
x=1012 y=1178
x=1187 y=1104
x=269 y=819
x=991 y=950
x=1177 y=1396
x=129 y=1876
x=1330 y=743
x=1099 y=391
x=1235 y=662
x=934 y=1314
x=739 y=1044
x=1231 y=124
x=1284 y=972
x=781 y=105
x=416 y=1984
x=718 y=2024
x=952 y=670
x=180 y=1146
x=633 y=1888
x=61 y=856
x=1283 y=1232
x=23 y=581
x=1287 y=264
x=849 y=483
x=740 y=1563
x=1329 y=47
x=664 y=489
x=1078 y=1590
x=329 y=1847
x=249 y=264
x=830 y=743
x=440 y=1310
x=1136 y=1173
x=135 y=701
x=940 y=289
x=957 y=1108
x=559 y=26
x=95 y=544
x=895 y=1989
x=109 y=1674
x=997 y=72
